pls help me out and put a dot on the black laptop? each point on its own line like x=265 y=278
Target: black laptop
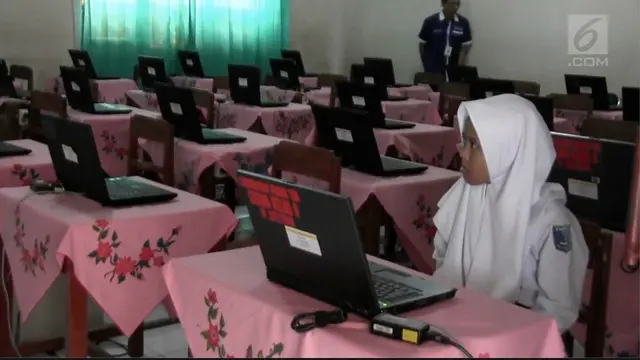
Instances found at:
x=349 y=133
x=462 y=73
x=384 y=68
x=244 y=85
x=179 y=108
x=544 y=105
x=482 y=88
x=7 y=87
x=631 y=104
x=297 y=58
x=191 y=64
x=152 y=71
x=311 y=244
x=594 y=86
x=368 y=98
x=4 y=68
x=78 y=91
x=82 y=60
x=77 y=165
x=361 y=74
x=286 y=76
x=8 y=150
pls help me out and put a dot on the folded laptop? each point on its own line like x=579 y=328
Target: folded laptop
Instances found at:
x=152 y=70
x=482 y=88
x=384 y=67
x=82 y=60
x=349 y=133
x=594 y=86
x=462 y=73
x=191 y=64
x=8 y=150
x=310 y=243
x=78 y=91
x=631 y=104
x=368 y=98
x=366 y=75
x=77 y=165
x=7 y=88
x=244 y=85
x=286 y=76
x=544 y=105
x=179 y=108
x=297 y=58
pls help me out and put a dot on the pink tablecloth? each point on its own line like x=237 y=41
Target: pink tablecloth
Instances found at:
x=319 y=96
x=428 y=144
x=417 y=111
x=149 y=101
x=419 y=92
x=577 y=117
x=116 y=252
x=193 y=82
x=21 y=170
x=239 y=313
x=110 y=91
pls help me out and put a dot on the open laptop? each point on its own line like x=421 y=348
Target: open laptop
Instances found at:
x=384 y=67
x=81 y=59
x=4 y=68
x=191 y=64
x=286 y=76
x=483 y=88
x=368 y=98
x=361 y=74
x=77 y=165
x=152 y=71
x=311 y=243
x=596 y=173
x=544 y=105
x=244 y=85
x=297 y=58
x=463 y=74
x=7 y=88
x=594 y=86
x=78 y=91
x=8 y=150
x=179 y=108
x=631 y=104
x=349 y=134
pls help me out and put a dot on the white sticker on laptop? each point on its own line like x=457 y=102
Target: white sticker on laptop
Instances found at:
x=176 y=108
x=284 y=74
x=81 y=62
x=383 y=329
x=242 y=82
x=69 y=154
x=585 y=90
x=75 y=86
x=358 y=101
x=583 y=189
x=303 y=240
x=151 y=71
x=369 y=80
x=344 y=135
x=189 y=62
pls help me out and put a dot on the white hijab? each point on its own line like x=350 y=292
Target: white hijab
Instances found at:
x=486 y=226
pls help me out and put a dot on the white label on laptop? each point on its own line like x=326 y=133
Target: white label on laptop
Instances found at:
x=189 y=62
x=344 y=135
x=69 y=154
x=383 y=329
x=303 y=240
x=358 y=101
x=176 y=108
x=242 y=82
x=369 y=80
x=74 y=86
x=151 y=71
x=585 y=90
x=81 y=62
x=284 y=74
x=583 y=189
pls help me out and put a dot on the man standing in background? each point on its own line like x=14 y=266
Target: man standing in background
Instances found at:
x=445 y=39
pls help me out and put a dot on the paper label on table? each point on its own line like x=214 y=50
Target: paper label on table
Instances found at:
x=242 y=82
x=81 y=62
x=583 y=189
x=303 y=240
x=447 y=51
x=75 y=86
x=151 y=71
x=585 y=90
x=369 y=80
x=383 y=329
x=284 y=74
x=176 y=108
x=69 y=154
x=344 y=135
x=189 y=62
x=358 y=101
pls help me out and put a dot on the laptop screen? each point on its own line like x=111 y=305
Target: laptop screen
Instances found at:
x=384 y=69
x=244 y=84
x=81 y=59
x=285 y=72
x=152 y=70
x=296 y=57
x=631 y=104
x=190 y=63
x=77 y=88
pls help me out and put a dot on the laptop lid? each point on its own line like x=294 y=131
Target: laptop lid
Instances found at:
x=483 y=88
x=285 y=73
x=463 y=74
x=190 y=63
x=81 y=59
x=361 y=97
x=544 y=105
x=244 y=84
x=4 y=68
x=296 y=57
x=594 y=86
x=383 y=68
x=77 y=88
x=300 y=251
x=152 y=71
x=7 y=88
x=179 y=108
x=631 y=104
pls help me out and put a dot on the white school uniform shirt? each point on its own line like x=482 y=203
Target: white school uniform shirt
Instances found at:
x=512 y=238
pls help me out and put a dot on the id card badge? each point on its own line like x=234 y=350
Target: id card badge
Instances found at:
x=447 y=51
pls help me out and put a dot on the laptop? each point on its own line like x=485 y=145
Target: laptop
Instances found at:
x=596 y=173
x=297 y=58
x=462 y=74
x=544 y=105
x=190 y=63
x=8 y=150
x=82 y=60
x=179 y=108
x=368 y=98
x=361 y=74
x=7 y=88
x=77 y=165
x=483 y=88
x=631 y=104
x=244 y=85
x=78 y=91
x=349 y=134
x=4 y=68
x=286 y=76
x=152 y=71
x=594 y=86
x=384 y=67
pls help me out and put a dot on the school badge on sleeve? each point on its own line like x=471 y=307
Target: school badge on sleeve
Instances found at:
x=562 y=238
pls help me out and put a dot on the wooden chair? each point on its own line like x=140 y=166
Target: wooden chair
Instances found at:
x=526 y=87
x=434 y=80
x=220 y=83
x=269 y=80
x=10 y=127
x=43 y=102
x=610 y=129
x=158 y=131
x=449 y=91
x=205 y=99
x=574 y=102
x=22 y=72
x=330 y=80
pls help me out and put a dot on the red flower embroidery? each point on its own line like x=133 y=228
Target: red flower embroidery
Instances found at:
x=104 y=249
x=213 y=336
x=102 y=223
x=484 y=356
x=17 y=167
x=146 y=254
x=212 y=296
x=158 y=261
x=125 y=266
x=26 y=175
x=121 y=152
x=34 y=258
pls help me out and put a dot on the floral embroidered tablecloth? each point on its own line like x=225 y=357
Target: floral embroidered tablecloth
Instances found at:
x=22 y=170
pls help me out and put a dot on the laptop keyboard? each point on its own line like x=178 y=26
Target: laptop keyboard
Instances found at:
x=124 y=189
x=392 y=291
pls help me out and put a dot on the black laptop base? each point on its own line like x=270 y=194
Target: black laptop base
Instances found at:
x=8 y=150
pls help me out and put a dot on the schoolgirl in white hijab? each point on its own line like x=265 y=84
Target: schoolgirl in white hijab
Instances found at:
x=502 y=229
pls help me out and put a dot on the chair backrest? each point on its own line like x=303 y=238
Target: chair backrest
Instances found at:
x=206 y=100
x=433 y=79
x=154 y=130
x=269 y=80
x=595 y=317
x=575 y=102
x=610 y=129
x=23 y=72
x=526 y=87
x=220 y=82
x=453 y=104
x=43 y=102
x=10 y=127
x=330 y=80
x=450 y=91
x=313 y=163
